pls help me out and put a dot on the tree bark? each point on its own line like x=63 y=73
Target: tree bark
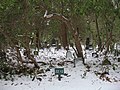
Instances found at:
x=98 y=33
x=63 y=35
x=37 y=40
x=63 y=30
x=19 y=55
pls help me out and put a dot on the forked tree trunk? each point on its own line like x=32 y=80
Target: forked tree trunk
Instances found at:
x=28 y=52
x=72 y=30
x=27 y=39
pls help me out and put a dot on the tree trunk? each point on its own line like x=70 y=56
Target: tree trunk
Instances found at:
x=78 y=46
x=63 y=30
x=37 y=40
x=98 y=33
x=19 y=55
x=63 y=35
x=109 y=36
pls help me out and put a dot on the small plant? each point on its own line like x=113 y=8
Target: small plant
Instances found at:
x=114 y=66
x=106 y=61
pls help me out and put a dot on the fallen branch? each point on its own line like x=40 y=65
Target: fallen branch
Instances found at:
x=36 y=62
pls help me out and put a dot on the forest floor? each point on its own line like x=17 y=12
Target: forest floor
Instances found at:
x=92 y=76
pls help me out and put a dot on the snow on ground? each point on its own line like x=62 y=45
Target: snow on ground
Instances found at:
x=76 y=78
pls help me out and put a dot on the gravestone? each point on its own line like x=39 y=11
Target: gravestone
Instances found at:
x=53 y=42
x=35 y=52
x=90 y=47
x=117 y=50
x=45 y=44
x=87 y=43
x=69 y=55
x=48 y=46
x=119 y=59
x=58 y=46
x=95 y=55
